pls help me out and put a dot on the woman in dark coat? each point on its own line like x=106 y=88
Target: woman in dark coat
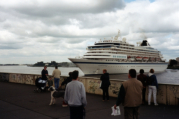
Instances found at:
x=65 y=82
x=105 y=83
x=69 y=79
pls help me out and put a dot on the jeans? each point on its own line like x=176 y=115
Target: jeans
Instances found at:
x=152 y=89
x=56 y=81
x=105 y=93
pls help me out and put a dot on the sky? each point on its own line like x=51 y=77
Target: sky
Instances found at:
x=55 y=30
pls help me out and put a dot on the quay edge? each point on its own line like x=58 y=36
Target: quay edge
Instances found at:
x=168 y=94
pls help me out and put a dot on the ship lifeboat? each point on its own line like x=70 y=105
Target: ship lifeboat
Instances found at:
x=145 y=58
x=130 y=58
x=138 y=58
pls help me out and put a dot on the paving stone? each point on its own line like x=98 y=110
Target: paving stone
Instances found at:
x=19 y=101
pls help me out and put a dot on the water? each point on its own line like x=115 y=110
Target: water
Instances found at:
x=169 y=76
x=37 y=70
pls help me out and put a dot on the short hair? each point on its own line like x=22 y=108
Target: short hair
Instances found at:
x=141 y=71
x=56 y=67
x=104 y=70
x=132 y=73
x=70 y=74
x=45 y=66
x=151 y=70
x=75 y=74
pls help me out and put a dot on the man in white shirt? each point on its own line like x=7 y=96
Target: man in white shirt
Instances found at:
x=56 y=74
x=75 y=96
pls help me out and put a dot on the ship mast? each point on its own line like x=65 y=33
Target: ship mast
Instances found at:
x=116 y=37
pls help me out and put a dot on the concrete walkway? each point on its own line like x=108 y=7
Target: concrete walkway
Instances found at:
x=18 y=101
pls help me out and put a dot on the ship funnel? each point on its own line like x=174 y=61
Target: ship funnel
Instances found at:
x=124 y=39
x=116 y=37
x=144 y=43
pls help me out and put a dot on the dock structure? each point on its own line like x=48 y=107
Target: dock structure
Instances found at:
x=18 y=101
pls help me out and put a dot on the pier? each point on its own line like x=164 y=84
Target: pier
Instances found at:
x=18 y=101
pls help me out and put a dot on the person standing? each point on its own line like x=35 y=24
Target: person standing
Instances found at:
x=44 y=73
x=75 y=96
x=105 y=83
x=69 y=79
x=143 y=78
x=56 y=74
x=153 y=86
x=130 y=94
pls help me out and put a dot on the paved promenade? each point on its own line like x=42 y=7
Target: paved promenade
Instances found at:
x=18 y=101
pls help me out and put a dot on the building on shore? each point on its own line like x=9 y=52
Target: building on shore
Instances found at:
x=177 y=59
x=173 y=64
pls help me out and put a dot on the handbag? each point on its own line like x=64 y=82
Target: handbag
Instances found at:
x=116 y=112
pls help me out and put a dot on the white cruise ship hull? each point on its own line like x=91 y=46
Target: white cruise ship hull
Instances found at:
x=90 y=67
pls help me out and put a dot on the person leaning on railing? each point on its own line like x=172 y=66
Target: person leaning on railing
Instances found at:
x=143 y=78
x=153 y=86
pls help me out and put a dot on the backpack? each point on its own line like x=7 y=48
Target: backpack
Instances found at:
x=150 y=80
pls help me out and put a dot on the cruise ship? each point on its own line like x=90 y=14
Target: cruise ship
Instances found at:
x=118 y=56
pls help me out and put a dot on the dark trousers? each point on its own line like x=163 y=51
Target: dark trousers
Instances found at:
x=131 y=112
x=143 y=94
x=105 y=93
x=76 y=112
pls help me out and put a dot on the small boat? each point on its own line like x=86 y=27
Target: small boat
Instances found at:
x=138 y=58
x=145 y=58
x=130 y=58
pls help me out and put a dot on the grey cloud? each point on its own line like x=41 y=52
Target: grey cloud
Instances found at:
x=75 y=40
x=47 y=28
x=56 y=13
x=49 y=40
x=53 y=8
x=10 y=47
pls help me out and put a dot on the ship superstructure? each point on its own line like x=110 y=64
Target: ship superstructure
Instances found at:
x=118 y=56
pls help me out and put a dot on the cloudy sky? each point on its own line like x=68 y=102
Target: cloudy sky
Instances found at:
x=54 y=30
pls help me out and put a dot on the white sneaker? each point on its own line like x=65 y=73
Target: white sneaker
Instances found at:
x=156 y=104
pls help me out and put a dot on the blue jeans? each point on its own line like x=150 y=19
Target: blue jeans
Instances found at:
x=56 y=81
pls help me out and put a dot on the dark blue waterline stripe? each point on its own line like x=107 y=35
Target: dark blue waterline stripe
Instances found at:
x=119 y=63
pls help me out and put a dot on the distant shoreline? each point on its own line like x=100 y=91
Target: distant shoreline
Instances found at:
x=33 y=65
x=49 y=66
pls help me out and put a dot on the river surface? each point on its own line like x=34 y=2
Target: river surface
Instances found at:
x=169 y=76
